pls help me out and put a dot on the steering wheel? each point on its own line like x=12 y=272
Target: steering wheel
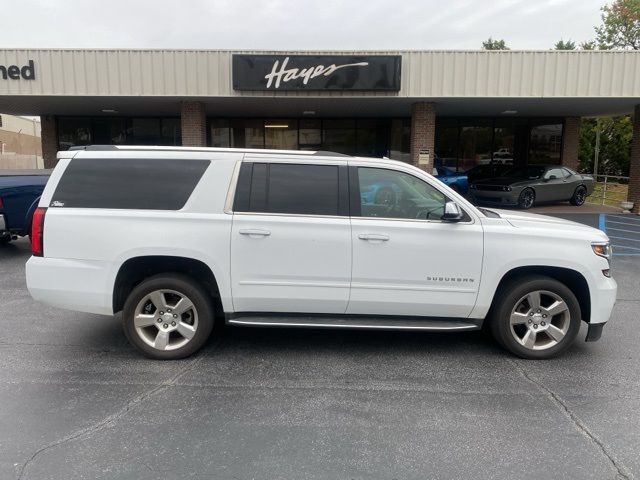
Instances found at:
x=386 y=196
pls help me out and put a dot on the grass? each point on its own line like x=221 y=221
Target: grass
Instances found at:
x=616 y=193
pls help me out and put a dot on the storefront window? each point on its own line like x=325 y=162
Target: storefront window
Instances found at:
x=219 y=133
x=117 y=131
x=281 y=134
x=310 y=134
x=109 y=131
x=144 y=131
x=545 y=143
x=503 y=143
x=476 y=143
x=247 y=133
x=447 y=142
x=171 y=131
x=339 y=136
x=372 y=137
x=74 y=131
x=400 y=139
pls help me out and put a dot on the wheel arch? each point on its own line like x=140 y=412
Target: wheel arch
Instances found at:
x=136 y=269
x=573 y=279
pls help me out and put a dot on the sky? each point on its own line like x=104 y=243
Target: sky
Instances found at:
x=300 y=25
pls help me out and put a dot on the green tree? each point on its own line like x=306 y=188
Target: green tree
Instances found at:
x=620 y=26
x=491 y=44
x=562 y=45
x=620 y=29
x=588 y=45
x=615 y=145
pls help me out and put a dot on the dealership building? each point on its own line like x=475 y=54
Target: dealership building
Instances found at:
x=458 y=108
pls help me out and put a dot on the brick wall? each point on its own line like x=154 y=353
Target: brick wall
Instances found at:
x=423 y=131
x=194 y=124
x=571 y=142
x=634 y=170
x=49 y=135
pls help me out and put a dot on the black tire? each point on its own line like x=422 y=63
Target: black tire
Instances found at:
x=5 y=240
x=526 y=199
x=579 y=196
x=510 y=296
x=202 y=310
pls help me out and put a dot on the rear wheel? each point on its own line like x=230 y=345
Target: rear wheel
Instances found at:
x=536 y=317
x=5 y=240
x=579 y=196
x=168 y=316
x=526 y=199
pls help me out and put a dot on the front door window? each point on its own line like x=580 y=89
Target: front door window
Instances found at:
x=393 y=194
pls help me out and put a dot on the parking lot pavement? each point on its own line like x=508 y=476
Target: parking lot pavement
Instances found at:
x=78 y=402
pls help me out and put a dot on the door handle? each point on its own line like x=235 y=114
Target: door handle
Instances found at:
x=374 y=237
x=257 y=232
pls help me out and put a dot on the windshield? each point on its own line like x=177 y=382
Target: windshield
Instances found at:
x=530 y=172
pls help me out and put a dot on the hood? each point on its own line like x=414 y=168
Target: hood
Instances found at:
x=533 y=220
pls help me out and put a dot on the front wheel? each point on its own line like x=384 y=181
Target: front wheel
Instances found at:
x=579 y=196
x=168 y=316
x=536 y=317
x=526 y=198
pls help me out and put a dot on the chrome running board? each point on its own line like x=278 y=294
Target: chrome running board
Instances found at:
x=353 y=322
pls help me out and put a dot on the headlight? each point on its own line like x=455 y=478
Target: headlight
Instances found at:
x=506 y=189
x=473 y=186
x=604 y=250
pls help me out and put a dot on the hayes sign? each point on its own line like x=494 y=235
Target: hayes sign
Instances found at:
x=316 y=72
x=14 y=72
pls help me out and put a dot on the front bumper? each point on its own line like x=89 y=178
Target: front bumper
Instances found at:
x=495 y=197
x=603 y=298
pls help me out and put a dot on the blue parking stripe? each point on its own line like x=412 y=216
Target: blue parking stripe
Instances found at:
x=602 y=222
x=620 y=241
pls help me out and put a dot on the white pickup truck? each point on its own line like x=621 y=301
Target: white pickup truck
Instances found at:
x=176 y=238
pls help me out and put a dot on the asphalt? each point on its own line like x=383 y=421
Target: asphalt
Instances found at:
x=77 y=402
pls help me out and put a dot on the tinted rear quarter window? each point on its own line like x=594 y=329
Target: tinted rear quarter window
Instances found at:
x=121 y=183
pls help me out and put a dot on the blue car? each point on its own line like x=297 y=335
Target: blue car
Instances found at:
x=456 y=181
x=20 y=191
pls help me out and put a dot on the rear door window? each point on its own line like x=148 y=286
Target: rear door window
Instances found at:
x=292 y=189
x=121 y=183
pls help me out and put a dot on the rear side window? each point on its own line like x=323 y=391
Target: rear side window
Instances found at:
x=146 y=184
x=292 y=189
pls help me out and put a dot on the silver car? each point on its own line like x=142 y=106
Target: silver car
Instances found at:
x=525 y=186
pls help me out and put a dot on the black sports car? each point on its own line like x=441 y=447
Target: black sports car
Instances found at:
x=525 y=186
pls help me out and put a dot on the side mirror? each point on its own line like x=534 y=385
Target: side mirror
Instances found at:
x=550 y=177
x=452 y=212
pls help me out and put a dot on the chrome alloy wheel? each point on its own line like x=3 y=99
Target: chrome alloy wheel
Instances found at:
x=540 y=320
x=165 y=319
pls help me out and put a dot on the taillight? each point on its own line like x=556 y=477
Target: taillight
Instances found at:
x=1 y=203
x=37 y=232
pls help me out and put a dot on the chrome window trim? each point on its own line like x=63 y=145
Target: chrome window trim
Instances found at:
x=231 y=192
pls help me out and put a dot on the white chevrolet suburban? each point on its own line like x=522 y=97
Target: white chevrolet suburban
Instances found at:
x=176 y=238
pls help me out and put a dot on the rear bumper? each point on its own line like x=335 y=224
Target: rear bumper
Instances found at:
x=82 y=285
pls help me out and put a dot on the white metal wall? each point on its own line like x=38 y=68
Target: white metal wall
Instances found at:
x=425 y=74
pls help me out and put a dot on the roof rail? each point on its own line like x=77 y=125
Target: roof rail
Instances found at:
x=103 y=148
